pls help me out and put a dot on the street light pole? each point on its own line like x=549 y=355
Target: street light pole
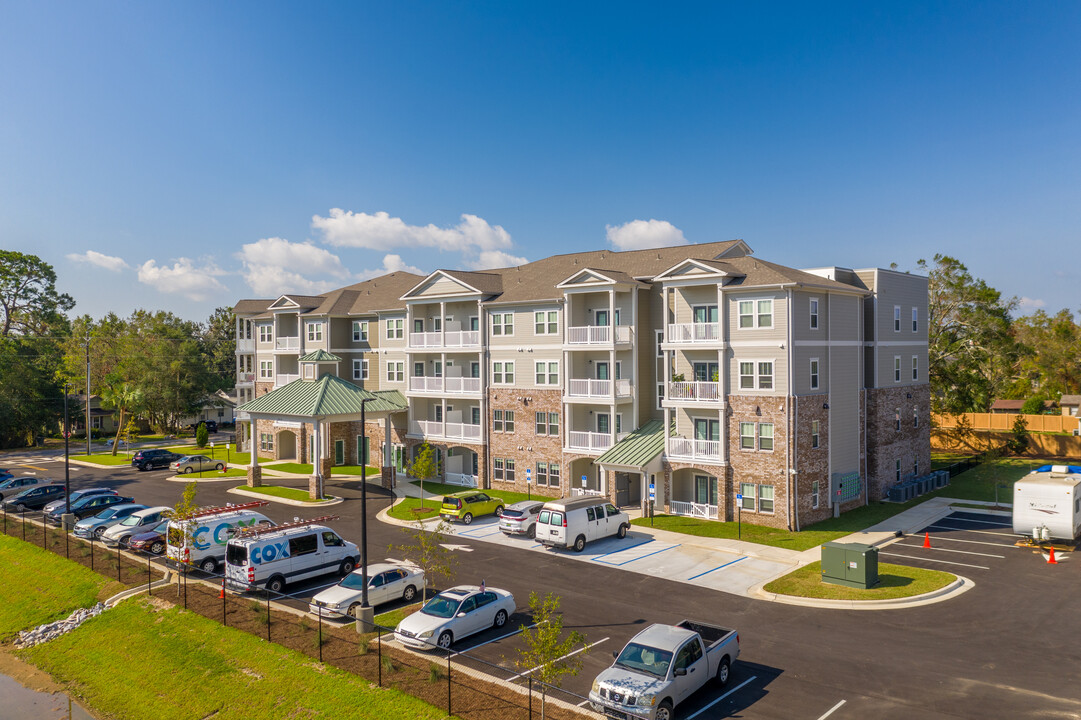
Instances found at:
x=367 y=613
x=67 y=465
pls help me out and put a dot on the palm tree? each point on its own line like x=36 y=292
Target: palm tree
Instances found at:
x=123 y=397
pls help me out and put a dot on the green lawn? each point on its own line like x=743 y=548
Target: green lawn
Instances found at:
x=895 y=581
x=975 y=484
x=187 y=667
x=41 y=587
x=105 y=458
x=282 y=492
x=392 y=618
x=405 y=509
x=306 y=469
x=508 y=497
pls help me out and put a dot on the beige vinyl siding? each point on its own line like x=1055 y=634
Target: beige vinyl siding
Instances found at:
x=521 y=319
x=263 y=346
x=758 y=354
x=341 y=333
x=801 y=369
x=645 y=380
x=685 y=299
x=525 y=330
x=844 y=416
x=776 y=334
x=307 y=345
x=386 y=342
x=801 y=315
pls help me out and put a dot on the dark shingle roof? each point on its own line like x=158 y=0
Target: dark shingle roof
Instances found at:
x=247 y=307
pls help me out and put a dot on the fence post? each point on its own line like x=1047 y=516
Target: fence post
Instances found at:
x=67 y=545
x=118 y=562
x=5 y=520
x=530 y=697
x=91 y=550
x=268 y=614
x=320 y=633
x=24 y=524
x=184 y=574
x=379 y=652
x=224 y=622
x=149 y=589
x=448 y=684
x=44 y=532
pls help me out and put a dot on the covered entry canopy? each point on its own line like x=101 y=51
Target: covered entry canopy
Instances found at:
x=638 y=454
x=326 y=400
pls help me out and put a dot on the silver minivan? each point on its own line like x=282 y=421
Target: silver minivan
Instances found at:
x=574 y=522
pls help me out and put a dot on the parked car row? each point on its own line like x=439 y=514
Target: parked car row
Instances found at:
x=159 y=458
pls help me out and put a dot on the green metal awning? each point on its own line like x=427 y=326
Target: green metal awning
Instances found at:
x=329 y=395
x=638 y=448
x=319 y=356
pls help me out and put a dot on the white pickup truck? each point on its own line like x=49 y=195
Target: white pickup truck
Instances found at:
x=661 y=667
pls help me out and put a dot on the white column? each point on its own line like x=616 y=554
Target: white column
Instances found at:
x=254 y=461
x=388 y=456
x=443 y=325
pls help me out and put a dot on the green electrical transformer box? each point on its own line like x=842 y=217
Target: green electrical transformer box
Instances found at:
x=850 y=564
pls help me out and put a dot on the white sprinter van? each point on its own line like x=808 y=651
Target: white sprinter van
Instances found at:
x=199 y=539
x=576 y=521
x=276 y=557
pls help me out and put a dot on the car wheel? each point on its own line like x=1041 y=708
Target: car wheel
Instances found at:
x=347 y=566
x=143 y=467
x=723 y=672
x=98 y=532
x=219 y=467
x=445 y=639
x=664 y=711
x=580 y=543
x=467 y=518
x=353 y=610
x=157 y=548
x=209 y=566
x=275 y=584
x=499 y=511
x=622 y=532
x=188 y=470
x=125 y=540
x=500 y=618
x=409 y=594
x=532 y=532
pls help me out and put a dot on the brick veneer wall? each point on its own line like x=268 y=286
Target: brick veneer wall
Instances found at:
x=812 y=464
x=348 y=432
x=524 y=446
x=757 y=466
x=886 y=444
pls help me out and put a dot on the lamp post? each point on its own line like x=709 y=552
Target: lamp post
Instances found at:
x=367 y=612
x=67 y=466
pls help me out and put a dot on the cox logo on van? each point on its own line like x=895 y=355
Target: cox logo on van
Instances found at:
x=268 y=553
x=219 y=535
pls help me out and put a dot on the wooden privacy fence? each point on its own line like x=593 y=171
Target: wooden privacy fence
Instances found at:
x=1005 y=421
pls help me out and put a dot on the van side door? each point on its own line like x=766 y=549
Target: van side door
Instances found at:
x=304 y=557
x=333 y=547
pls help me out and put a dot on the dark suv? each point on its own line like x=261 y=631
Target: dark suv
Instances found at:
x=148 y=459
x=211 y=425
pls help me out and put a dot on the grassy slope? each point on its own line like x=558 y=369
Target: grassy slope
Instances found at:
x=189 y=667
x=40 y=587
x=896 y=581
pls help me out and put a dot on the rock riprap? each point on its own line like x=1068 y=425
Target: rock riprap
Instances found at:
x=49 y=631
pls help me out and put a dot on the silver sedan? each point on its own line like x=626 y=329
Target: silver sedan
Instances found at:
x=195 y=463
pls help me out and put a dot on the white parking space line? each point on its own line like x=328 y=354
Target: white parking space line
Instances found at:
x=573 y=652
x=963 y=552
x=973 y=542
x=982 y=532
x=692 y=716
x=944 y=562
x=501 y=637
x=831 y=710
x=997 y=523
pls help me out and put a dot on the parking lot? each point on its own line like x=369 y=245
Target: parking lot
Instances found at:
x=939 y=661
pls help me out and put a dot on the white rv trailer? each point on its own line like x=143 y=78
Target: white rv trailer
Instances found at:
x=1047 y=503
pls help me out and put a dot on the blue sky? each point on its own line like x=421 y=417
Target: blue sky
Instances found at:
x=185 y=155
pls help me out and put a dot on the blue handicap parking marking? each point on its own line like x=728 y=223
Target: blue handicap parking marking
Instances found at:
x=624 y=559
x=707 y=572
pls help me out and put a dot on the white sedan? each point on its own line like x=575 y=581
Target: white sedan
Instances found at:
x=454 y=614
x=386 y=582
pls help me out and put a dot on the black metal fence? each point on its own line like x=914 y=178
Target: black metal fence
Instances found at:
x=463 y=683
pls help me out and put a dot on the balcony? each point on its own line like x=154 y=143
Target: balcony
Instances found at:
x=598 y=335
x=245 y=378
x=284 y=379
x=693 y=509
x=246 y=345
x=694 y=450
x=588 y=441
x=450 y=431
x=457 y=385
x=287 y=343
x=598 y=389
x=693 y=333
x=450 y=339
x=694 y=392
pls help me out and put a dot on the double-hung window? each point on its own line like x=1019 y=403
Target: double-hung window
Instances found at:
x=395 y=329
x=266 y=333
x=897 y=368
x=746 y=436
x=497 y=421
x=542 y=473
x=765 y=376
x=546 y=322
x=915 y=368
x=746 y=376
x=915 y=417
x=360 y=331
x=756 y=375
x=502 y=323
x=814 y=433
x=395 y=371
x=497 y=468
x=765 y=436
x=897 y=318
x=315 y=332
x=547 y=373
x=814 y=373
x=814 y=313
x=915 y=320
x=547 y=423
x=765 y=498
x=814 y=494
x=755 y=313
x=503 y=373
x=360 y=369
x=266 y=369
x=747 y=490
x=553 y=474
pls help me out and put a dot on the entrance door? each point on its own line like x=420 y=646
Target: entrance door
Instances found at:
x=339 y=452
x=705 y=490
x=705 y=314
x=602 y=318
x=705 y=371
x=602 y=371
x=707 y=429
x=398 y=455
x=602 y=424
x=623 y=489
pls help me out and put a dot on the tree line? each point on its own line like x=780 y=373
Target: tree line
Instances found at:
x=153 y=365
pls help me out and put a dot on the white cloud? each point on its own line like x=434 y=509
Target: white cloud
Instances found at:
x=273 y=266
x=380 y=231
x=93 y=257
x=1027 y=304
x=391 y=263
x=195 y=283
x=489 y=259
x=640 y=234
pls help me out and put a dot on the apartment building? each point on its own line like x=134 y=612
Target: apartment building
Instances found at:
x=728 y=383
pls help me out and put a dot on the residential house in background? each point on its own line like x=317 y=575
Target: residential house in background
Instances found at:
x=712 y=376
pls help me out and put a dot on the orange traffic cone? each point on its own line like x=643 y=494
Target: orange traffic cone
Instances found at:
x=221 y=595
x=1051 y=558
x=927 y=539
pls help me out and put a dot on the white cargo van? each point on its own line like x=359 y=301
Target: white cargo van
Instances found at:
x=574 y=522
x=199 y=539
x=1047 y=503
x=289 y=553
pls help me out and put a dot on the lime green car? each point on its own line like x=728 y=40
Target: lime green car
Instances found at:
x=469 y=504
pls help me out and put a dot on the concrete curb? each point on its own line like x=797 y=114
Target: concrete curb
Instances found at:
x=286 y=501
x=132 y=592
x=955 y=588
x=185 y=480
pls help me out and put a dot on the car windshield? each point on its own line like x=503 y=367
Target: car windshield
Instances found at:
x=643 y=658
x=131 y=520
x=442 y=606
x=107 y=513
x=353 y=582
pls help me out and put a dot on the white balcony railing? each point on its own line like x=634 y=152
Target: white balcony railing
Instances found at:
x=588 y=388
x=694 y=449
x=425 y=384
x=463 y=385
x=709 y=392
x=585 y=491
x=598 y=334
x=693 y=333
x=242 y=416
x=245 y=345
x=243 y=378
x=461 y=479
x=452 y=339
x=589 y=441
x=693 y=509
x=287 y=343
x=451 y=431
x=285 y=378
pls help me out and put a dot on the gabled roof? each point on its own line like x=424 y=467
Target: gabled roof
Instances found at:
x=319 y=356
x=594 y=276
x=1070 y=400
x=294 y=302
x=382 y=293
x=482 y=283
x=325 y=397
x=638 y=448
x=756 y=272
x=699 y=268
x=249 y=307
